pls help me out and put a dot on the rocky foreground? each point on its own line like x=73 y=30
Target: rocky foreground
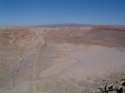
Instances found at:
x=65 y=59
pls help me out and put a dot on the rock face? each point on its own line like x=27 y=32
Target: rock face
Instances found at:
x=59 y=59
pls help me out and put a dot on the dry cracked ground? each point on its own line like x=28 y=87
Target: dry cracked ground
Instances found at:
x=60 y=59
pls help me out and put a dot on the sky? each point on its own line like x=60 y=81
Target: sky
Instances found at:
x=39 y=12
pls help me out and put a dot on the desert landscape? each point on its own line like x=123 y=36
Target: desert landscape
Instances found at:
x=61 y=59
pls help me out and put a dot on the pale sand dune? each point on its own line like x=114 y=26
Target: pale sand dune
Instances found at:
x=63 y=60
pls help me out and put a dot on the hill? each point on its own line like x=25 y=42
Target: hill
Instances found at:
x=58 y=59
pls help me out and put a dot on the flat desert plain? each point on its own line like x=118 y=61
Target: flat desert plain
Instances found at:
x=60 y=59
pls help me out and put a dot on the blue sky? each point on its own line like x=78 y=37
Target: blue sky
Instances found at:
x=38 y=12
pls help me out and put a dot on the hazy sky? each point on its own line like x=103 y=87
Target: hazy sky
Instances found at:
x=37 y=12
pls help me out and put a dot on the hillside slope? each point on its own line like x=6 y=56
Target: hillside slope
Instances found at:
x=59 y=59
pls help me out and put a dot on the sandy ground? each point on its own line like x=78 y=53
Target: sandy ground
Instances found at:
x=59 y=60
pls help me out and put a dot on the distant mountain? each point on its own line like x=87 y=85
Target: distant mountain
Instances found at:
x=65 y=25
x=78 y=25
